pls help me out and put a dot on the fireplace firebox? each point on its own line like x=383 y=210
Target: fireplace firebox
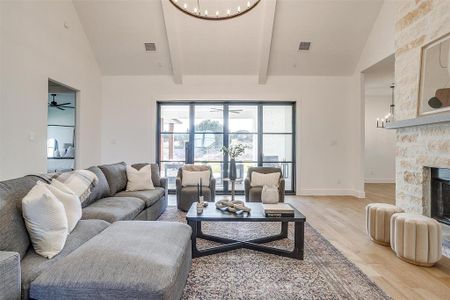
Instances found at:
x=440 y=195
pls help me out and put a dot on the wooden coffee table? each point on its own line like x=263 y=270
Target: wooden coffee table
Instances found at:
x=211 y=214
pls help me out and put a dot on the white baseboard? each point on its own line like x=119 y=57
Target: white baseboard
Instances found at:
x=379 y=180
x=331 y=192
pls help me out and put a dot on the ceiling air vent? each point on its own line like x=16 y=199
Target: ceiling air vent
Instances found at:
x=304 y=46
x=150 y=46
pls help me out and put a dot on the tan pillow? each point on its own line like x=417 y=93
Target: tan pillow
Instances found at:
x=46 y=220
x=192 y=178
x=261 y=179
x=139 y=180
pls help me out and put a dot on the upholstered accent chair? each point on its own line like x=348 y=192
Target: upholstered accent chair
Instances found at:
x=253 y=193
x=186 y=195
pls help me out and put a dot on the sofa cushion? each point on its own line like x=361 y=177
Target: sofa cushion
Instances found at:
x=13 y=233
x=33 y=264
x=156 y=179
x=116 y=175
x=100 y=190
x=112 y=209
x=150 y=197
x=128 y=260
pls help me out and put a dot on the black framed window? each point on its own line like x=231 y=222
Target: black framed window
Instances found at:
x=195 y=131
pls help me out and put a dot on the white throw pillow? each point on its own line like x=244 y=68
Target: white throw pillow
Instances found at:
x=261 y=179
x=46 y=221
x=71 y=202
x=269 y=194
x=139 y=180
x=192 y=178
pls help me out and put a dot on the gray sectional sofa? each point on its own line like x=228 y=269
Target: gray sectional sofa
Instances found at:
x=111 y=253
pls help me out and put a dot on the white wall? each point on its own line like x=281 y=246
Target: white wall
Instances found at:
x=35 y=46
x=323 y=119
x=379 y=45
x=379 y=158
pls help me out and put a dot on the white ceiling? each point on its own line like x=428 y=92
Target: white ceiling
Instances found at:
x=338 y=30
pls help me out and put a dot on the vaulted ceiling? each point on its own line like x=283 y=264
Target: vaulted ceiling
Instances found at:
x=262 y=42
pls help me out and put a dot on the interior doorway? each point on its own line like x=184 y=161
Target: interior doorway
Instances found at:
x=379 y=150
x=61 y=128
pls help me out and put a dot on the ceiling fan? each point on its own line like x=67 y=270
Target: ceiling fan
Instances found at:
x=60 y=106
x=233 y=111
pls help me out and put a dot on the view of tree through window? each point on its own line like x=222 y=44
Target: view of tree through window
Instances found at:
x=195 y=132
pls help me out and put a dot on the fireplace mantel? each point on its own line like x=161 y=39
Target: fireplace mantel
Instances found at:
x=419 y=121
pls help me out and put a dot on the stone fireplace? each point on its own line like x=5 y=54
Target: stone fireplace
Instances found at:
x=421 y=147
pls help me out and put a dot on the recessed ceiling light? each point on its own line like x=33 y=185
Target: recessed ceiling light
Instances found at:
x=304 y=46
x=150 y=46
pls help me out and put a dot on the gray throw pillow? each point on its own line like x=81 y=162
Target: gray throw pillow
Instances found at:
x=116 y=175
x=100 y=190
x=156 y=178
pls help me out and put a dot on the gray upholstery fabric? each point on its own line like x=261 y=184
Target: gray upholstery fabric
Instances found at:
x=112 y=209
x=32 y=265
x=128 y=260
x=188 y=195
x=150 y=197
x=100 y=190
x=10 y=275
x=116 y=175
x=253 y=194
x=13 y=233
x=154 y=211
x=156 y=179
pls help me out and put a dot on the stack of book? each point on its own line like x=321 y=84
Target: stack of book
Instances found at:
x=278 y=210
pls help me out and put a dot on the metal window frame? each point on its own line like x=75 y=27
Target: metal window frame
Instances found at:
x=226 y=106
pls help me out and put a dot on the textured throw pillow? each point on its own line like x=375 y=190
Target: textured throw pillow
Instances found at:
x=269 y=194
x=261 y=179
x=80 y=182
x=139 y=180
x=192 y=178
x=71 y=202
x=46 y=220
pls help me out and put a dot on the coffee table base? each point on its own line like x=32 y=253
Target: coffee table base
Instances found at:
x=253 y=244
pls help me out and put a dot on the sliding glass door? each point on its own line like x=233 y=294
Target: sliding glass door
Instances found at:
x=194 y=132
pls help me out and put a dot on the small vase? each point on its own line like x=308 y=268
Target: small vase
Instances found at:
x=232 y=173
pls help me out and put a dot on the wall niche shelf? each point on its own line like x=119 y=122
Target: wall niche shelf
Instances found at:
x=419 y=121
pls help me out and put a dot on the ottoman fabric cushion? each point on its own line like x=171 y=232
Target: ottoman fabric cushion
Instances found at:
x=112 y=209
x=116 y=174
x=378 y=220
x=150 y=197
x=128 y=260
x=416 y=239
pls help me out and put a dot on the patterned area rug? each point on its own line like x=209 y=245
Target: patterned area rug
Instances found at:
x=244 y=274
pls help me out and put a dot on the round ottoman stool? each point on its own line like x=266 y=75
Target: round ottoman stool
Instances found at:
x=378 y=218
x=416 y=239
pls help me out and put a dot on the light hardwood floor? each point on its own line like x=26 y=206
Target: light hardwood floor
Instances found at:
x=341 y=220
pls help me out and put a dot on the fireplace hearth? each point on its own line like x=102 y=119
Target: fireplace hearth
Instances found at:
x=440 y=195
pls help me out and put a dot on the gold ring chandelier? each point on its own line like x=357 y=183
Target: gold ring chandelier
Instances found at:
x=213 y=9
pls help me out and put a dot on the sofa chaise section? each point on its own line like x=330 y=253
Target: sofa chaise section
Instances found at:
x=32 y=264
x=128 y=260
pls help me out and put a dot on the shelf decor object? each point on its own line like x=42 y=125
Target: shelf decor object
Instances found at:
x=215 y=10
